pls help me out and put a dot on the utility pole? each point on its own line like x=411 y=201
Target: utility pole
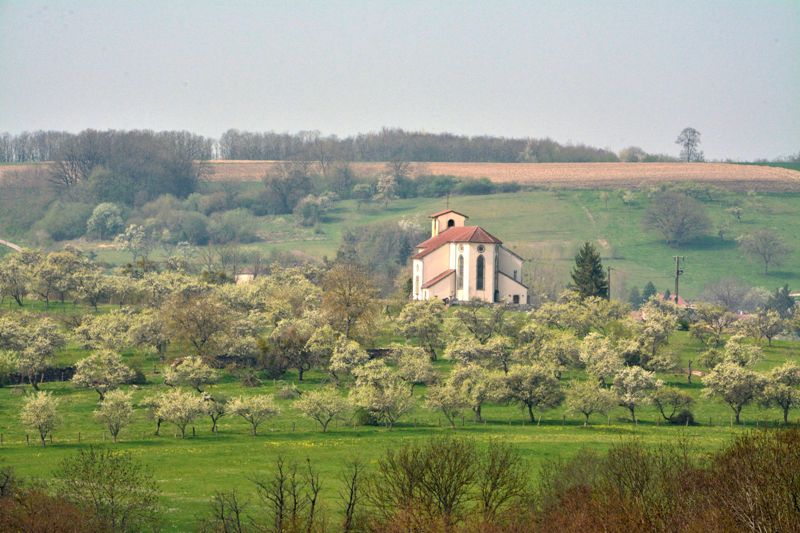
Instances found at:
x=609 y=284
x=678 y=273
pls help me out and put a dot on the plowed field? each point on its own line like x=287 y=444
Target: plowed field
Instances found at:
x=568 y=175
x=565 y=175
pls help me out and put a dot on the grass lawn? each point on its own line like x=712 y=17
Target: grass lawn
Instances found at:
x=190 y=471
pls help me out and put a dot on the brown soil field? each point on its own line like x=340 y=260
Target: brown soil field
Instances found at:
x=567 y=175
x=564 y=175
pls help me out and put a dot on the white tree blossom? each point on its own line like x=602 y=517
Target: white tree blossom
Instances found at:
x=102 y=371
x=734 y=385
x=633 y=385
x=191 y=371
x=323 y=405
x=598 y=355
x=448 y=399
x=254 y=409
x=180 y=408
x=115 y=411
x=587 y=398
x=40 y=412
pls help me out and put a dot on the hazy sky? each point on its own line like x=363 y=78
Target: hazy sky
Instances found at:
x=609 y=74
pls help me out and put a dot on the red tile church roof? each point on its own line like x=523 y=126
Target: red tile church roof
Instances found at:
x=456 y=234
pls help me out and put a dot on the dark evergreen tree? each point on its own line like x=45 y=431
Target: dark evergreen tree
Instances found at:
x=782 y=302
x=588 y=276
x=649 y=291
x=635 y=298
x=667 y=295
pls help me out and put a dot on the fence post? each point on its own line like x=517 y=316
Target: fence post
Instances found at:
x=79 y=437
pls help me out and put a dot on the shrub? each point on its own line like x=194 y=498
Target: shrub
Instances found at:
x=751 y=485
x=236 y=225
x=114 y=487
x=508 y=186
x=684 y=418
x=106 y=221
x=107 y=186
x=473 y=187
x=65 y=220
x=435 y=186
x=288 y=391
x=253 y=201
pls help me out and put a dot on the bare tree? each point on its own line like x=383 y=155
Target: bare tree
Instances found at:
x=689 y=140
x=286 y=184
x=226 y=514
x=291 y=497
x=351 y=494
x=766 y=246
x=677 y=217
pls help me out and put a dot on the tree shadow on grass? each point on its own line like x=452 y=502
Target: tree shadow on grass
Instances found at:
x=707 y=242
x=781 y=275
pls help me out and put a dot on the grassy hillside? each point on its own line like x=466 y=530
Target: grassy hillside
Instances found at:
x=546 y=227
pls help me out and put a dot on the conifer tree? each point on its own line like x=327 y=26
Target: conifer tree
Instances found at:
x=649 y=291
x=782 y=302
x=635 y=299
x=588 y=276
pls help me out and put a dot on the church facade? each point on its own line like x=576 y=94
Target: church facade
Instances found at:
x=465 y=263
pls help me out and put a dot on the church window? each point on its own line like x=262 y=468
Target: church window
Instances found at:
x=451 y=223
x=479 y=273
x=460 y=272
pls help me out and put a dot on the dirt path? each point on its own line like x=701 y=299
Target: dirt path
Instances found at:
x=11 y=245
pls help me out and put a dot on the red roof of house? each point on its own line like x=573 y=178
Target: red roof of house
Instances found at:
x=457 y=234
x=681 y=302
x=437 y=279
x=440 y=213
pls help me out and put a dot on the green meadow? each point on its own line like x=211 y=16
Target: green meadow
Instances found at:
x=189 y=471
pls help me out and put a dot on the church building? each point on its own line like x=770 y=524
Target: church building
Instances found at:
x=466 y=263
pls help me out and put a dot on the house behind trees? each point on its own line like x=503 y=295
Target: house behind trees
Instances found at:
x=466 y=263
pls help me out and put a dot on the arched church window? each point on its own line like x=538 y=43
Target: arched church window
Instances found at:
x=460 y=272
x=451 y=223
x=479 y=273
